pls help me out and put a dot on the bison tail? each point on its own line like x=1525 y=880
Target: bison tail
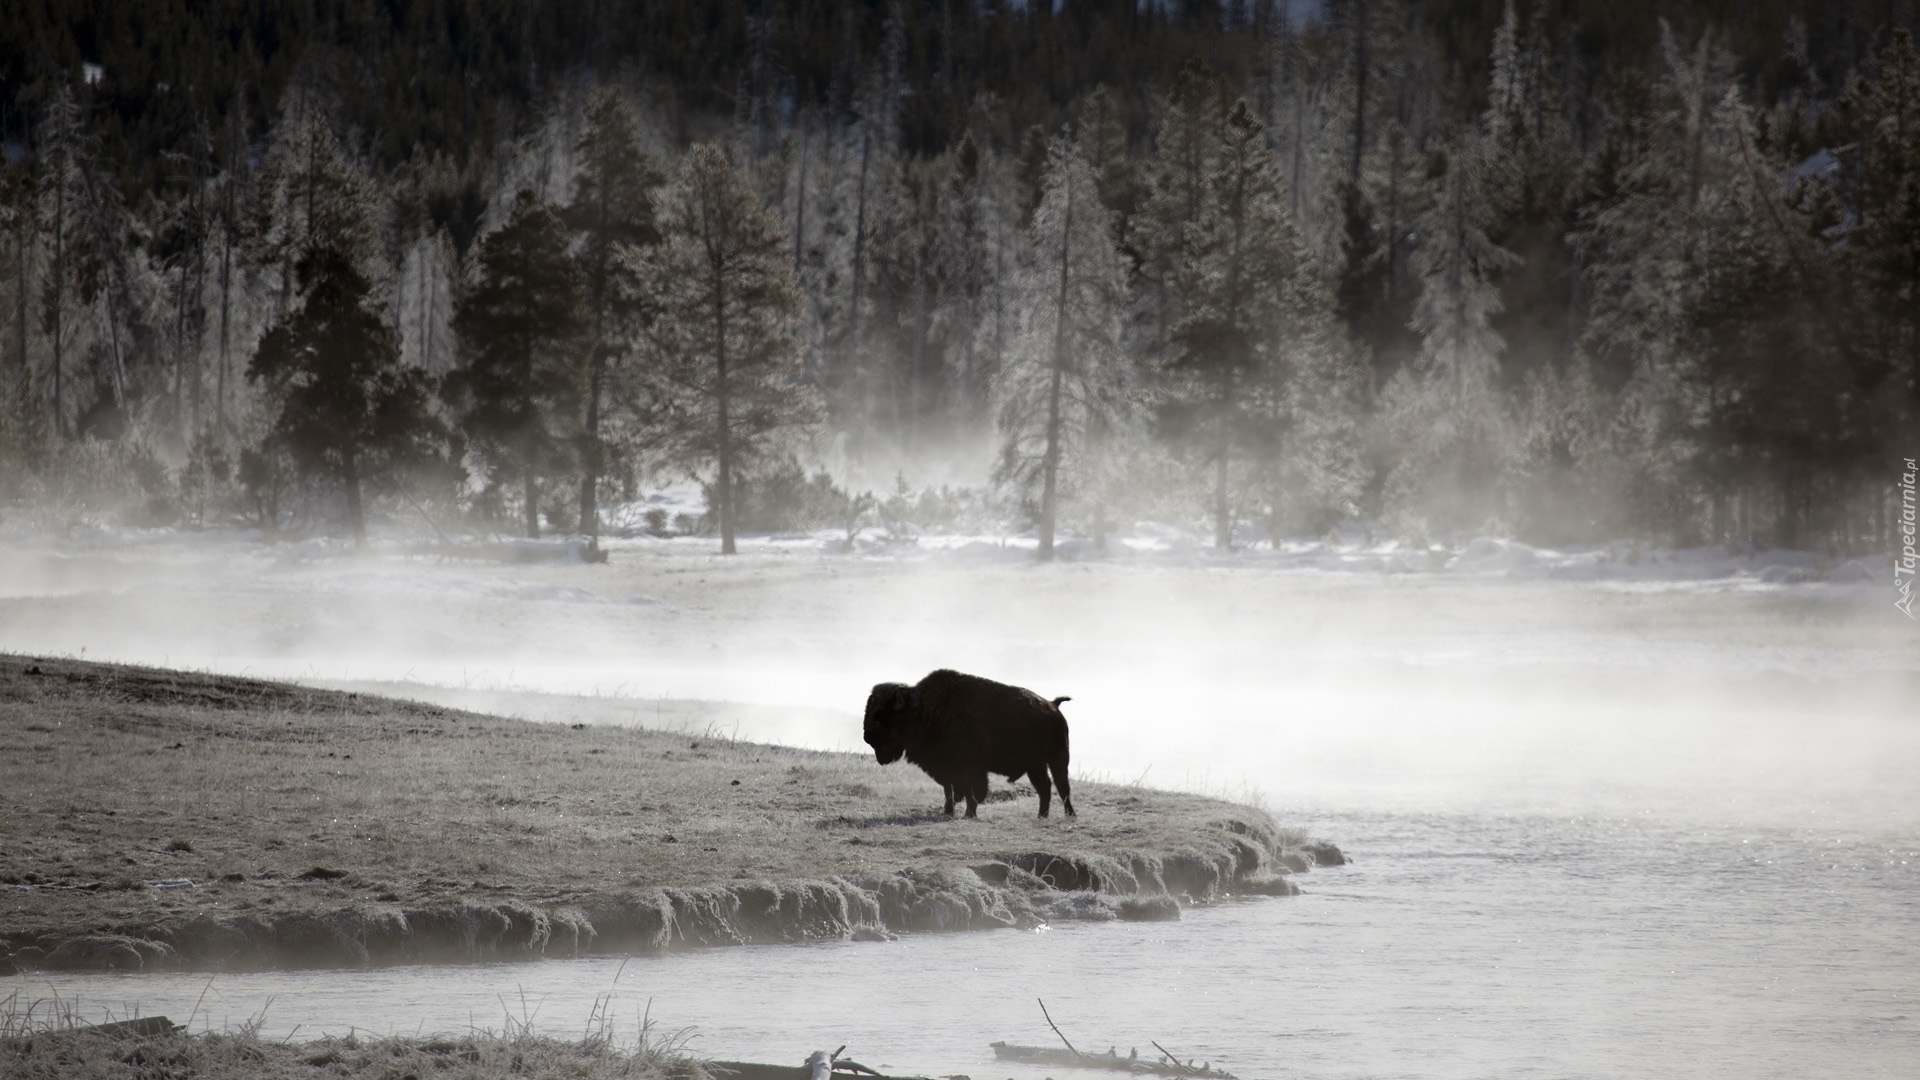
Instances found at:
x=1058 y=700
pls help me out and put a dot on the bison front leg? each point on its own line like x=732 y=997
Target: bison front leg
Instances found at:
x=976 y=790
x=948 y=790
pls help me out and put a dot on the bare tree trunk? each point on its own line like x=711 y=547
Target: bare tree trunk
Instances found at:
x=723 y=495
x=197 y=382
x=1359 y=89
x=531 y=500
x=591 y=465
x=1050 y=467
x=226 y=310
x=59 y=298
x=1222 y=512
x=356 y=515
x=800 y=205
x=23 y=252
x=180 y=356
x=859 y=237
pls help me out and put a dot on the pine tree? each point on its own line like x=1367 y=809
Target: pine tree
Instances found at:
x=1884 y=247
x=181 y=236
x=721 y=341
x=522 y=330
x=18 y=192
x=1186 y=148
x=975 y=241
x=1455 y=451
x=1531 y=168
x=309 y=190
x=1061 y=391
x=1400 y=192
x=907 y=290
x=345 y=408
x=63 y=199
x=1239 y=254
x=1459 y=268
x=612 y=209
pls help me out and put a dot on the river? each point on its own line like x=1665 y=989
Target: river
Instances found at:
x=1600 y=829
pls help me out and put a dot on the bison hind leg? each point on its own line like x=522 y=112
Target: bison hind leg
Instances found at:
x=948 y=790
x=1059 y=770
x=1040 y=784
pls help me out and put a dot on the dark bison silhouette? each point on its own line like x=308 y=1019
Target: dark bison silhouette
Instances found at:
x=958 y=728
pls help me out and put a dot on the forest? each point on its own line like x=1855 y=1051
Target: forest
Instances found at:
x=1567 y=271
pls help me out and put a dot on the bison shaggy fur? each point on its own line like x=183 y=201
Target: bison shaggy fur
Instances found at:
x=958 y=728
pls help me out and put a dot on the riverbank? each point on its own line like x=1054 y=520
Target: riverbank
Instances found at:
x=158 y=819
x=48 y=1047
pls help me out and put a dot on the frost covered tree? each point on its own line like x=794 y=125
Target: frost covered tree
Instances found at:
x=1530 y=171
x=1449 y=408
x=721 y=343
x=1883 y=248
x=909 y=281
x=1676 y=173
x=1238 y=256
x=1458 y=267
x=976 y=250
x=71 y=261
x=345 y=409
x=1398 y=191
x=1061 y=390
x=615 y=186
x=523 y=331
x=1187 y=145
x=309 y=190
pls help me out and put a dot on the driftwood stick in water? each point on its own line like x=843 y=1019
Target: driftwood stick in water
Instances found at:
x=819 y=1065
x=1176 y=1061
x=1056 y=1027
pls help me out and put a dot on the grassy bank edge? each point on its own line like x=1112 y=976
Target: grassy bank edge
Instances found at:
x=1210 y=850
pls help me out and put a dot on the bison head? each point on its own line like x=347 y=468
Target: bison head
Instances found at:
x=890 y=711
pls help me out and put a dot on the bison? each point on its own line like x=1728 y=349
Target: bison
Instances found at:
x=958 y=728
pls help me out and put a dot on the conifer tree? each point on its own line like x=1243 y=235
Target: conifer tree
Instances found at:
x=1884 y=247
x=522 y=330
x=1455 y=449
x=907 y=294
x=1239 y=254
x=1458 y=267
x=974 y=255
x=63 y=200
x=1062 y=388
x=721 y=342
x=1399 y=190
x=346 y=410
x=309 y=190
x=1186 y=148
x=613 y=208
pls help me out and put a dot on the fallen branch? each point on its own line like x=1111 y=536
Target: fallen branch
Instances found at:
x=1110 y=1061
x=1175 y=1060
x=142 y=1026
x=1055 y=1027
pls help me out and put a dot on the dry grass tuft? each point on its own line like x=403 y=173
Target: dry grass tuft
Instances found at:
x=42 y=1040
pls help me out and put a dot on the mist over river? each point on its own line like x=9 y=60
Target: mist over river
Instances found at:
x=1610 y=828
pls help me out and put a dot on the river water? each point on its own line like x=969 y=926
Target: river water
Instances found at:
x=1598 y=831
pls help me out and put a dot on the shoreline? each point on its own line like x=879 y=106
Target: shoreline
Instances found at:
x=164 y=820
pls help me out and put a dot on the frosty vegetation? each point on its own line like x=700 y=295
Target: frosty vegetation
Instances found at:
x=1566 y=273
